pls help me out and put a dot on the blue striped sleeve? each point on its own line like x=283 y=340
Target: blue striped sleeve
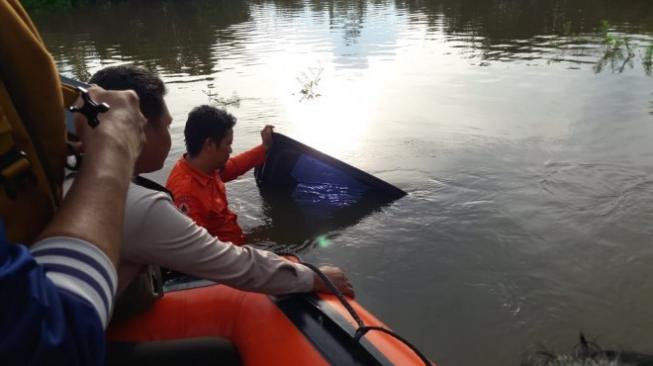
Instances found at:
x=42 y=323
x=80 y=268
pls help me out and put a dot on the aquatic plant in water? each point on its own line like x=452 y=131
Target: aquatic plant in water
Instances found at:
x=219 y=101
x=617 y=50
x=647 y=59
x=309 y=82
x=588 y=353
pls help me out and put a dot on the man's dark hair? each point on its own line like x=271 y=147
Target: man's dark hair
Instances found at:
x=205 y=122
x=147 y=85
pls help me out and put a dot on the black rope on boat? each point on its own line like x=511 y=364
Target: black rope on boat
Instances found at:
x=337 y=293
x=362 y=328
x=360 y=332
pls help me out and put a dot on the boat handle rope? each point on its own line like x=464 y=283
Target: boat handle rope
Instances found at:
x=362 y=328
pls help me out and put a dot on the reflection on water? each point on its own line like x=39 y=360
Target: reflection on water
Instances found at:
x=521 y=129
x=158 y=35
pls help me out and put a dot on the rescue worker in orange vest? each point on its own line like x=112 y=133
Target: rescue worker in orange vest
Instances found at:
x=197 y=179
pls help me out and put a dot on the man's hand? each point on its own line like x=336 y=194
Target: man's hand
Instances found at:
x=339 y=279
x=266 y=136
x=94 y=208
x=120 y=128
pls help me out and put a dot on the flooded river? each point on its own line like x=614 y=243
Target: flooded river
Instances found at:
x=521 y=130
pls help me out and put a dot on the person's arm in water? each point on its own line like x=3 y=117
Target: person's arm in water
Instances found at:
x=243 y=162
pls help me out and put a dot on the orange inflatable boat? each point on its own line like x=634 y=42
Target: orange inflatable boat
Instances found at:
x=304 y=329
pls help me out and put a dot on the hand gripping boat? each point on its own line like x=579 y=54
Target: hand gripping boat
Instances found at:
x=303 y=329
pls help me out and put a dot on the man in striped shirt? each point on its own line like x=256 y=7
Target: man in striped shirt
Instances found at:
x=58 y=294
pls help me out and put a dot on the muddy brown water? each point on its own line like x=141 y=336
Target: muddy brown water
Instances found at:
x=521 y=130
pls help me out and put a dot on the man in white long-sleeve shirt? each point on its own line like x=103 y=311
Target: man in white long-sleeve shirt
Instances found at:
x=157 y=233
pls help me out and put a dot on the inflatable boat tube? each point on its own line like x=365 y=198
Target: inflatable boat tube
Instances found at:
x=302 y=329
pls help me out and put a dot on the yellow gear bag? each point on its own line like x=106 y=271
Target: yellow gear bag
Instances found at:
x=32 y=127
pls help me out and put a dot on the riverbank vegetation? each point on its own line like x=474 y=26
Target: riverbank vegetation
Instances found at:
x=38 y=5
